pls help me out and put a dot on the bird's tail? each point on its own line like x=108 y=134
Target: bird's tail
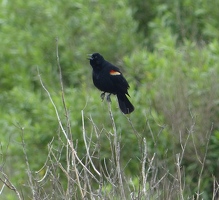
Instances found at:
x=124 y=104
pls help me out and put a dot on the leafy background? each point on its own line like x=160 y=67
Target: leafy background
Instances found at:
x=167 y=50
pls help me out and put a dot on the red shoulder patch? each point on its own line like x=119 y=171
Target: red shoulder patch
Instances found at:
x=113 y=72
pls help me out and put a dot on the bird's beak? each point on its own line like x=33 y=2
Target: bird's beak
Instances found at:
x=90 y=56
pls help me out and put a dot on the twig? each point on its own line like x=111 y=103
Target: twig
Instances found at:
x=85 y=142
x=117 y=153
x=27 y=164
x=143 y=167
x=203 y=162
x=215 y=189
x=9 y=184
x=66 y=114
x=179 y=175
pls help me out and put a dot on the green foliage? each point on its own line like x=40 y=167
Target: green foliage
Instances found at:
x=174 y=87
x=193 y=20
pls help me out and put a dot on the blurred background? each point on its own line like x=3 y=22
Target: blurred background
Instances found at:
x=167 y=50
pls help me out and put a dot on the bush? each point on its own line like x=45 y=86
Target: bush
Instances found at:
x=166 y=149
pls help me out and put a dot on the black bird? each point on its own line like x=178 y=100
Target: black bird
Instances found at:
x=109 y=79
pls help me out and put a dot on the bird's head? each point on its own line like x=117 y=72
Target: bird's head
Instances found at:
x=95 y=60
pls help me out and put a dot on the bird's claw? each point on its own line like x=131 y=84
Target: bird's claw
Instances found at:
x=102 y=96
x=108 y=98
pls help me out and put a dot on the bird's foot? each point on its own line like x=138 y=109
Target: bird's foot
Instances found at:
x=108 y=98
x=102 y=96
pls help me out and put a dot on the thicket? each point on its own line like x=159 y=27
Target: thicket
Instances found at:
x=61 y=142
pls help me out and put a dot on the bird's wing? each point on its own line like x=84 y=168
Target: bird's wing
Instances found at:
x=118 y=80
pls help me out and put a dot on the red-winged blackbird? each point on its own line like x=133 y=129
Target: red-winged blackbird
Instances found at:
x=108 y=78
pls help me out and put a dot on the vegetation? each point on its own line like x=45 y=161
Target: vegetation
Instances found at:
x=59 y=141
